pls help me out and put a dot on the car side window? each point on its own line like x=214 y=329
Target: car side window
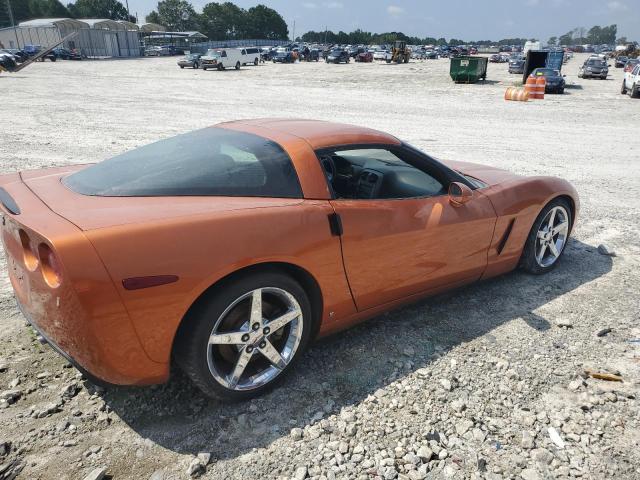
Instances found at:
x=224 y=53
x=376 y=173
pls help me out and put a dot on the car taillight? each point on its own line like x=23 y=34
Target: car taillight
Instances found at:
x=28 y=255
x=51 y=268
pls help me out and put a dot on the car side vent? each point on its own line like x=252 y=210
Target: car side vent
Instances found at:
x=505 y=237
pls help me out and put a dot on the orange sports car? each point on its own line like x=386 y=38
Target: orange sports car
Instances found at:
x=228 y=249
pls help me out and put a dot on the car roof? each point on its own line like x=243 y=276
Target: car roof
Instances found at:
x=318 y=134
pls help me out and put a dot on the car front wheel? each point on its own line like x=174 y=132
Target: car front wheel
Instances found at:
x=548 y=237
x=623 y=89
x=242 y=339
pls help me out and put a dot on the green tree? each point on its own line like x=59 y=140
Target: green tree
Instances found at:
x=176 y=15
x=553 y=41
x=111 y=9
x=265 y=22
x=566 y=39
x=622 y=41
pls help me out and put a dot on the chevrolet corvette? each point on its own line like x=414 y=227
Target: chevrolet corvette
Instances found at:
x=227 y=250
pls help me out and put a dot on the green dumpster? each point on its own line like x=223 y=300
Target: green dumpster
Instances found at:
x=468 y=69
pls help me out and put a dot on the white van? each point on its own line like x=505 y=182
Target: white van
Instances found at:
x=250 y=55
x=221 y=58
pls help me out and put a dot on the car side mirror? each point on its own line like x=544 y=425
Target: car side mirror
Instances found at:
x=459 y=194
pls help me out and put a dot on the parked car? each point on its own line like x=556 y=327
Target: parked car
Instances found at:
x=380 y=55
x=192 y=60
x=364 y=57
x=32 y=50
x=338 y=56
x=66 y=54
x=266 y=54
x=554 y=80
x=632 y=62
x=18 y=55
x=631 y=82
x=82 y=245
x=250 y=55
x=430 y=55
x=153 y=52
x=313 y=55
x=283 y=56
x=221 y=59
x=516 y=65
x=621 y=61
x=7 y=61
x=594 y=67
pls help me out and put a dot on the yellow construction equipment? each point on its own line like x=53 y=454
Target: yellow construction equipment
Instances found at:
x=400 y=52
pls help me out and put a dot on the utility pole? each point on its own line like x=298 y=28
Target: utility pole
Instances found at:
x=15 y=32
x=128 y=14
x=325 y=34
x=294 y=31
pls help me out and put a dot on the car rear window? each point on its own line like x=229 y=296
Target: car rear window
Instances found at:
x=208 y=162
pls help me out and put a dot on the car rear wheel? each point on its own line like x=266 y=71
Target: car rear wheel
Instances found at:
x=635 y=91
x=623 y=89
x=237 y=65
x=255 y=62
x=241 y=340
x=548 y=237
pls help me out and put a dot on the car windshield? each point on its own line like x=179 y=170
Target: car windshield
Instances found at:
x=208 y=162
x=595 y=63
x=336 y=52
x=213 y=53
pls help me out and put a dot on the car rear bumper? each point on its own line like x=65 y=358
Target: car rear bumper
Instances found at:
x=88 y=375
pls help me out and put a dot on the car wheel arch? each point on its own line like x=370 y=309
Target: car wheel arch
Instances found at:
x=306 y=280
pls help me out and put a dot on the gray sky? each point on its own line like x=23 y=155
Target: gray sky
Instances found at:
x=464 y=19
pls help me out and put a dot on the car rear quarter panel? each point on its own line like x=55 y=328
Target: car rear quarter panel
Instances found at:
x=520 y=201
x=83 y=315
x=202 y=249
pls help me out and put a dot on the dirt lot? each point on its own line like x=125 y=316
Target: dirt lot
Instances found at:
x=473 y=384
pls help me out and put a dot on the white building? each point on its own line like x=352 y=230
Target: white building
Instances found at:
x=95 y=37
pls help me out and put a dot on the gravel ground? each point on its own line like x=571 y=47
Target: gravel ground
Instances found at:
x=485 y=382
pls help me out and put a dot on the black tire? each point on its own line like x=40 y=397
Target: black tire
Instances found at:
x=255 y=62
x=192 y=342
x=635 y=91
x=181 y=66
x=623 y=89
x=528 y=260
x=196 y=65
x=237 y=65
x=220 y=67
x=204 y=68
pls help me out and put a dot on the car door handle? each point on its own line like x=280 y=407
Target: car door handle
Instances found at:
x=335 y=224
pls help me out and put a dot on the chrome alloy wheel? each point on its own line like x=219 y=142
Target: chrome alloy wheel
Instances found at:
x=255 y=338
x=552 y=236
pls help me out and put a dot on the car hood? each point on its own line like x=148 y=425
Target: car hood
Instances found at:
x=484 y=173
x=94 y=212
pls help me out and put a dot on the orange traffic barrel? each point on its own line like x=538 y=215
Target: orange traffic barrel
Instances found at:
x=541 y=84
x=516 y=94
x=530 y=86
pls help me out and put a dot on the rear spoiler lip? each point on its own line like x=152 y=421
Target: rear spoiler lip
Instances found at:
x=8 y=202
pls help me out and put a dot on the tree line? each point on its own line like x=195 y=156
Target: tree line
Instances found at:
x=596 y=35
x=221 y=21
x=29 y=9
x=360 y=37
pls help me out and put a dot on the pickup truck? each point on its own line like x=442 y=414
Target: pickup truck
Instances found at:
x=631 y=82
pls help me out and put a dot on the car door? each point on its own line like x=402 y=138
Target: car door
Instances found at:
x=417 y=241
